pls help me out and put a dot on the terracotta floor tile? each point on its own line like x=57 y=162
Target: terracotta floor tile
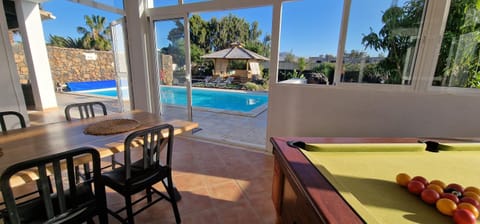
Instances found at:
x=238 y=214
x=202 y=217
x=263 y=206
x=187 y=181
x=226 y=194
x=195 y=200
x=236 y=188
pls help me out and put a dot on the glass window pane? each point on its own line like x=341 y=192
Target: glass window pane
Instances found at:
x=162 y=3
x=170 y=45
x=308 y=41
x=233 y=46
x=114 y=3
x=381 y=41
x=458 y=63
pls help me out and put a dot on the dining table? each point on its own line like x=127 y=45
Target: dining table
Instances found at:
x=37 y=141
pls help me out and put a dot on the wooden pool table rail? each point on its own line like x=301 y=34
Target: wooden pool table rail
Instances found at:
x=301 y=194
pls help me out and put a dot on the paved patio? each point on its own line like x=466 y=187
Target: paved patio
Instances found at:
x=217 y=127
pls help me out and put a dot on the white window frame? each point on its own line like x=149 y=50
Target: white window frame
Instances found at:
x=434 y=22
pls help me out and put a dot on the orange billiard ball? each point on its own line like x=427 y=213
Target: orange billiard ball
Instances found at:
x=472 y=189
x=403 y=179
x=439 y=183
x=446 y=206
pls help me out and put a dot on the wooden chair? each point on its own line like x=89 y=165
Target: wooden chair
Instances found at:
x=11 y=113
x=155 y=165
x=86 y=110
x=65 y=201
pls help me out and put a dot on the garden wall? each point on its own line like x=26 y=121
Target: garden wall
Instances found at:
x=71 y=65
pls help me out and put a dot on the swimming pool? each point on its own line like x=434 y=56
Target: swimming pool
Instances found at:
x=202 y=98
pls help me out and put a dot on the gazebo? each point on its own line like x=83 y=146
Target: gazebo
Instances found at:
x=221 y=60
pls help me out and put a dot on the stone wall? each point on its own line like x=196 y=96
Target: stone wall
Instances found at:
x=71 y=65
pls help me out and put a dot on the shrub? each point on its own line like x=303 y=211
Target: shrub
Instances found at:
x=251 y=86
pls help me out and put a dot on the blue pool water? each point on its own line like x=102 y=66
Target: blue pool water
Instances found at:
x=205 y=98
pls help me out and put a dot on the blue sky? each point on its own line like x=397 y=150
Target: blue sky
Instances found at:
x=309 y=27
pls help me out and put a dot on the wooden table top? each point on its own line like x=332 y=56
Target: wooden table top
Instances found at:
x=33 y=142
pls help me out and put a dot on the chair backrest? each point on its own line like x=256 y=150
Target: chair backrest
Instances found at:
x=59 y=199
x=11 y=113
x=86 y=110
x=152 y=141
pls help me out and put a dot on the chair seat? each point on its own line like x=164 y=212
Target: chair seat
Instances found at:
x=153 y=167
x=33 y=211
x=116 y=180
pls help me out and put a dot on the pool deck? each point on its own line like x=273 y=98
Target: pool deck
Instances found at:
x=215 y=126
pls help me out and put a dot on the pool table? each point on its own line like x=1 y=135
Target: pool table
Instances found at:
x=352 y=180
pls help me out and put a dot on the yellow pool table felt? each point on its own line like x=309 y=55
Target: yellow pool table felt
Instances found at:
x=364 y=174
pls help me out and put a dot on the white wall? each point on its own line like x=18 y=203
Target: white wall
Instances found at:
x=10 y=89
x=296 y=110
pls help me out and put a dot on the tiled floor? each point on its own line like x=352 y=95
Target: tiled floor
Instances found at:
x=218 y=184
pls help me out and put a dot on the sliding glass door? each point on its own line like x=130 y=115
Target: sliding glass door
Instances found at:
x=120 y=55
x=171 y=69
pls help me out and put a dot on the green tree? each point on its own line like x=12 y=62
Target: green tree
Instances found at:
x=199 y=32
x=302 y=64
x=213 y=35
x=458 y=64
x=289 y=57
x=356 y=54
x=96 y=35
x=394 y=37
x=459 y=59
x=67 y=42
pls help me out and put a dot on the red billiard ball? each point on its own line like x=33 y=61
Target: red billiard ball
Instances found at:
x=464 y=216
x=471 y=201
x=422 y=179
x=415 y=187
x=430 y=196
x=450 y=196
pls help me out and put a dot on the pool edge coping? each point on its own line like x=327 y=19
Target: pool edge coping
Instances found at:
x=253 y=113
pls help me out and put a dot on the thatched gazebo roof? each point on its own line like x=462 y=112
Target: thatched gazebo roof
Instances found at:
x=235 y=52
x=221 y=60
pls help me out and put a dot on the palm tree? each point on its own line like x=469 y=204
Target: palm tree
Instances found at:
x=68 y=42
x=96 y=35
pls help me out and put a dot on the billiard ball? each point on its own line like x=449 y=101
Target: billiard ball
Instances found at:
x=403 y=179
x=472 y=194
x=473 y=189
x=457 y=193
x=464 y=216
x=430 y=196
x=455 y=187
x=450 y=196
x=415 y=187
x=422 y=179
x=471 y=201
x=446 y=206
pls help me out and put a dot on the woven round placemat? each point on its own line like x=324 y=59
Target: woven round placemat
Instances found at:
x=110 y=127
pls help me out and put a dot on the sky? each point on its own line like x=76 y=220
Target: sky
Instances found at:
x=309 y=27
